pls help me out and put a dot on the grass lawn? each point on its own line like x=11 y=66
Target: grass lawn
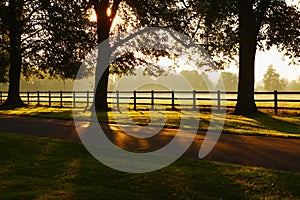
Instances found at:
x=43 y=168
x=268 y=124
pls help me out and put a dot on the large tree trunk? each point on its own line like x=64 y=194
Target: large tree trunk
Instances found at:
x=103 y=29
x=14 y=99
x=104 y=23
x=248 y=32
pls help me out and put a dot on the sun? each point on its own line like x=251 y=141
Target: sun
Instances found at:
x=93 y=16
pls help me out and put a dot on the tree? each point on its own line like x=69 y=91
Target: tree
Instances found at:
x=106 y=11
x=229 y=80
x=272 y=80
x=294 y=85
x=43 y=39
x=197 y=81
x=104 y=24
x=231 y=27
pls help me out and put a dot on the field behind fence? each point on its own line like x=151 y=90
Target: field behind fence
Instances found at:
x=168 y=99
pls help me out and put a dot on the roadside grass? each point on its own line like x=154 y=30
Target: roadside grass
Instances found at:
x=42 y=168
x=266 y=124
x=40 y=111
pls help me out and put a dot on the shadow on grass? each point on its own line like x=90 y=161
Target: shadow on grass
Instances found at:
x=276 y=124
x=12 y=107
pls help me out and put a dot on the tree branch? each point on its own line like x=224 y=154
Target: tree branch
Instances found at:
x=185 y=5
x=114 y=10
x=29 y=36
x=197 y=28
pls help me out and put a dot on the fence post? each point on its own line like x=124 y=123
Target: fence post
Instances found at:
x=74 y=105
x=49 y=98
x=219 y=99
x=118 y=100
x=134 y=100
x=1 y=97
x=173 y=100
x=276 y=101
x=61 y=99
x=194 y=100
x=87 y=98
x=152 y=99
x=38 y=98
x=28 y=97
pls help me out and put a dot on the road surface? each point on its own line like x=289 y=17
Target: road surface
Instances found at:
x=268 y=152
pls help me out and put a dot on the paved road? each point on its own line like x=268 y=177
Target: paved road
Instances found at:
x=269 y=152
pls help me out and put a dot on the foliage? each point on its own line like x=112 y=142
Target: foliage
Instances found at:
x=54 y=37
x=272 y=80
x=294 y=85
x=197 y=81
x=229 y=80
x=214 y=24
x=4 y=56
x=229 y=28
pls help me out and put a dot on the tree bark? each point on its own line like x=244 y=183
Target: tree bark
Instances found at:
x=104 y=23
x=103 y=29
x=15 y=11
x=248 y=32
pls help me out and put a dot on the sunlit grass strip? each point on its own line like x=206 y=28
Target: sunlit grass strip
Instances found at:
x=283 y=125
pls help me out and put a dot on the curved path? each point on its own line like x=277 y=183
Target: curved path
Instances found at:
x=268 y=152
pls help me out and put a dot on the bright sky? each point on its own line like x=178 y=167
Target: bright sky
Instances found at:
x=272 y=57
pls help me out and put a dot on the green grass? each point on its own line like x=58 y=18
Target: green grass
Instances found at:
x=40 y=111
x=43 y=168
x=266 y=124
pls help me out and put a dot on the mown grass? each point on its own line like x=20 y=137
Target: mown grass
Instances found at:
x=267 y=124
x=42 y=168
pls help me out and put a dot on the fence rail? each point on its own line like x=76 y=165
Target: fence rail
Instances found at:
x=193 y=99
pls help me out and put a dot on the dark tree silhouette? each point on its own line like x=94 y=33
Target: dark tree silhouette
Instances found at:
x=104 y=23
x=42 y=39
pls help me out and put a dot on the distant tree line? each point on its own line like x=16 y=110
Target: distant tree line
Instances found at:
x=201 y=82
x=272 y=81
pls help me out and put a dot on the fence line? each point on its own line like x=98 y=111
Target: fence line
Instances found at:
x=134 y=98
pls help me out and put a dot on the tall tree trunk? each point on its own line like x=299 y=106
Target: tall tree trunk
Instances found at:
x=14 y=99
x=104 y=23
x=248 y=32
x=103 y=29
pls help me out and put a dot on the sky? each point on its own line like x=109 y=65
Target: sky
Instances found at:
x=272 y=57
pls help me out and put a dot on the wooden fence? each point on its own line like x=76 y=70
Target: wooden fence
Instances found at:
x=191 y=99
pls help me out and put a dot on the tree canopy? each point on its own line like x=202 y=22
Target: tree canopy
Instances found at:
x=227 y=28
x=49 y=37
x=42 y=39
